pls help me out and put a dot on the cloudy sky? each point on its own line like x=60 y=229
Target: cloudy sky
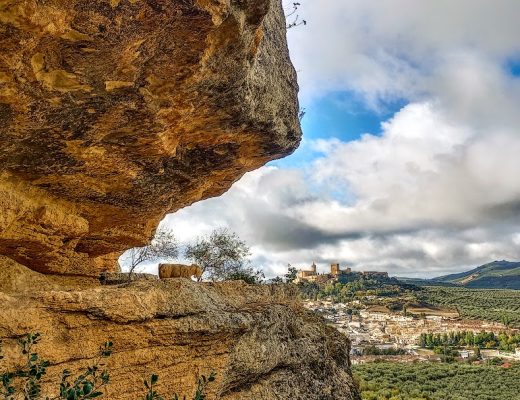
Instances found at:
x=411 y=150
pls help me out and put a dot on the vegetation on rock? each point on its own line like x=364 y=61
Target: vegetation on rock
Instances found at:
x=24 y=381
x=152 y=394
x=222 y=255
x=163 y=247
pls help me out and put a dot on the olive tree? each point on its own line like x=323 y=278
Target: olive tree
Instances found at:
x=291 y=274
x=222 y=255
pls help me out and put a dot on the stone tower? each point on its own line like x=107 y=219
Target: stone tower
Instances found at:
x=334 y=269
x=313 y=267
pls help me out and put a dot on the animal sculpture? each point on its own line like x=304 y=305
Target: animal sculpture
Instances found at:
x=167 y=271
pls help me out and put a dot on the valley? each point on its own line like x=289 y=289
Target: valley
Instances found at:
x=424 y=342
x=376 y=332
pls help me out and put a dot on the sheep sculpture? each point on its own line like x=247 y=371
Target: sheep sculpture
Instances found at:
x=167 y=271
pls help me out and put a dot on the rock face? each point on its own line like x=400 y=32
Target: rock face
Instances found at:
x=260 y=342
x=115 y=112
x=112 y=114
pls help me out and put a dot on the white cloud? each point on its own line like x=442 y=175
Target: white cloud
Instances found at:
x=426 y=197
x=422 y=171
x=389 y=48
x=437 y=191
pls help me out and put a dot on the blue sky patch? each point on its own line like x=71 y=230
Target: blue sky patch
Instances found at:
x=513 y=66
x=340 y=115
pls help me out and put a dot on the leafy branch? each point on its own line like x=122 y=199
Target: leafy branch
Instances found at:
x=89 y=384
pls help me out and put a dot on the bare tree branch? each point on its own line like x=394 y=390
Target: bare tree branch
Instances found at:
x=292 y=18
x=164 y=246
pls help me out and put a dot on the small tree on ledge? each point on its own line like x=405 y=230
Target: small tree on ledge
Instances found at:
x=164 y=246
x=221 y=255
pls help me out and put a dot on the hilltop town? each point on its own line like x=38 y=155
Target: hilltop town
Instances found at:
x=383 y=316
x=336 y=274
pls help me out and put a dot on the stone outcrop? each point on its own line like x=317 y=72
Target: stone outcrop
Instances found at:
x=118 y=278
x=116 y=112
x=261 y=343
x=112 y=114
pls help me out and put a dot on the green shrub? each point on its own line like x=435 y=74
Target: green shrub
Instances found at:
x=248 y=276
x=202 y=383
x=24 y=382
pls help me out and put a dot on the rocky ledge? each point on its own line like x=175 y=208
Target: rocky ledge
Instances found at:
x=258 y=339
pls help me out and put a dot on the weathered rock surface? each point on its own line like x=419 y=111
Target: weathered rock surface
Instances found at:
x=261 y=343
x=115 y=112
x=118 y=278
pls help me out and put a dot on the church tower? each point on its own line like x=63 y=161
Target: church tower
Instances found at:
x=313 y=268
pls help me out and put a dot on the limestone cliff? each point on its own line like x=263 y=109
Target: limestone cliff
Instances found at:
x=112 y=114
x=261 y=343
x=115 y=112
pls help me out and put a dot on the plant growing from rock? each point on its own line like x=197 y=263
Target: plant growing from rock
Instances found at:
x=199 y=394
x=293 y=19
x=87 y=385
x=29 y=374
x=249 y=276
x=24 y=381
x=163 y=247
x=221 y=255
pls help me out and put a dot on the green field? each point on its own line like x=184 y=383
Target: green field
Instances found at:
x=486 y=304
x=436 y=381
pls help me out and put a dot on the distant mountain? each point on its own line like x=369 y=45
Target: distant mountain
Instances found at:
x=494 y=275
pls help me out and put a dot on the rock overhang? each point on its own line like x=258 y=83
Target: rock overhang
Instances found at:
x=114 y=113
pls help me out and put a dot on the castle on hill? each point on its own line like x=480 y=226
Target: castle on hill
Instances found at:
x=335 y=274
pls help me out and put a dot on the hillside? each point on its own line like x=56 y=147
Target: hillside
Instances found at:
x=494 y=275
x=424 y=282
